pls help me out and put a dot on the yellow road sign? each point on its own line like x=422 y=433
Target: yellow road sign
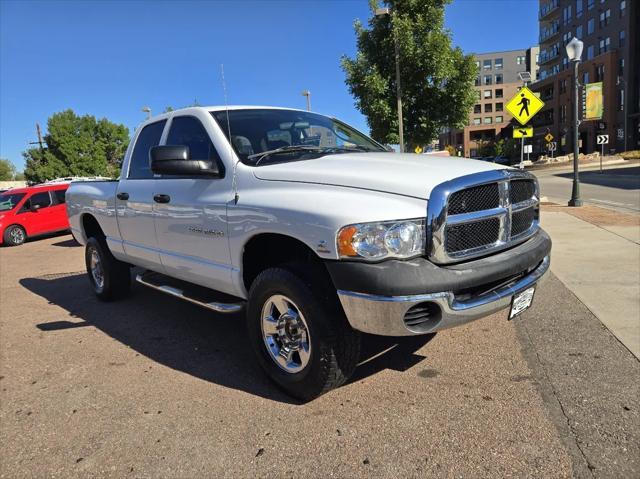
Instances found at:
x=524 y=105
x=418 y=149
x=549 y=137
x=523 y=132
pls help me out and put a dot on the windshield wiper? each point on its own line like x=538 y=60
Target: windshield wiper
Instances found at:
x=283 y=149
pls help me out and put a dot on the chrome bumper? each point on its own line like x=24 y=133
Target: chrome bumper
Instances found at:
x=384 y=315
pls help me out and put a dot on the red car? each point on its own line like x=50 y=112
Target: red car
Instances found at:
x=32 y=211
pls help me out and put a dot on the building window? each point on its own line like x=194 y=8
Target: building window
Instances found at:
x=486 y=64
x=566 y=37
x=623 y=7
x=498 y=93
x=563 y=86
x=589 y=52
x=477 y=109
x=487 y=120
x=591 y=4
x=498 y=78
x=621 y=38
x=477 y=82
x=488 y=108
x=604 y=18
x=563 y=113
x=621 y=67
x=591 y=26
x=478 y=65
x=604 y=45
x=566 y=15
x=497 y=63
x=579 y=32
x=487 y=80
x=520 y=60
x=499 y=106
x=565 y=63
x=476 y=121
x=578 y=8
x=599 y=73
x=479 y=94
x=585 y=78
x=487 y=94
x=499 y=119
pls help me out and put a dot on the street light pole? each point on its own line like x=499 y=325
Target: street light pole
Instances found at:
x=379 y=13
x=307 y=93
x=147 y=110
x=574 y=52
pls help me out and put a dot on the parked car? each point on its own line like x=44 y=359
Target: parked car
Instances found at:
x=314 y=229
x=32 y=211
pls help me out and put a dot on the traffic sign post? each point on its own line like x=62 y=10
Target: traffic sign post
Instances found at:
x=602 y=140
x=523 y=132
x=524 y=105
x=551 y=146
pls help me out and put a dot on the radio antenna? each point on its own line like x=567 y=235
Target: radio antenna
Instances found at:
x=234 y=179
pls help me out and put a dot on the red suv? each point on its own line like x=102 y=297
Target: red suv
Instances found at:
x=32 y=211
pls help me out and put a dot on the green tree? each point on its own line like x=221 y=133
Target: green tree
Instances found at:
x=77 y=146
x=436 y=79
x=7 y=170
x=504 y=147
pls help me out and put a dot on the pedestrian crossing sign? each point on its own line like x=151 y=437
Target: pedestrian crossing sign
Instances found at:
x=524 y=105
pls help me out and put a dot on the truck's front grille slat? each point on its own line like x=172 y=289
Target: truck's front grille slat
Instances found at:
x=468 y=220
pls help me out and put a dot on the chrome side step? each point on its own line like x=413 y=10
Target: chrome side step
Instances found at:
x=172 y=287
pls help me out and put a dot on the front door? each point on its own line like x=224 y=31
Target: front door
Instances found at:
x=134 y=201
x=191 y=223
x=37 y=214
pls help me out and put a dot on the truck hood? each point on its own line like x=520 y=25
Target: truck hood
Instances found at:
x=401 y=174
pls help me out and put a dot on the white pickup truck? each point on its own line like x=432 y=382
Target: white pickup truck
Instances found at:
x=314 y=229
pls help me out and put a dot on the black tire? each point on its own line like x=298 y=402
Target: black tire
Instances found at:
x=14 y=235
x=334 y=345
x=116 y=275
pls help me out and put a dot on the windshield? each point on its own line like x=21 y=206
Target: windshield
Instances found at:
x=287 y=135
x=8 y=201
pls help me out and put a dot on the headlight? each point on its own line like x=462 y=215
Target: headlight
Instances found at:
x=376 y=241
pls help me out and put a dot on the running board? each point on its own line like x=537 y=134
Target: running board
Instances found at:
x=189 y=292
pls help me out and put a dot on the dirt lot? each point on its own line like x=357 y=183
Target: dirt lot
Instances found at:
x=154 y=387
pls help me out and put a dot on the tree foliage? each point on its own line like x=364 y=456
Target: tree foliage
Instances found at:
x=436 y=79
x=77 y=146
x=7 y=170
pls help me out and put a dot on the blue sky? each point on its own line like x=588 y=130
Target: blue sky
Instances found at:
x=110 y=58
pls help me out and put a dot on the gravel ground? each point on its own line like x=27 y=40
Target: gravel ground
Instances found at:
x=154 y=387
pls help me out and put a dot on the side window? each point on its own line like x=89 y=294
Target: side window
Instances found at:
x=59 y=196
x=42 y=199
x=187 y=130
x=149 y=137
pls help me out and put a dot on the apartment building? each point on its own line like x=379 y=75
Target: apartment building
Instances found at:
x=496 y=83
x=609 y=30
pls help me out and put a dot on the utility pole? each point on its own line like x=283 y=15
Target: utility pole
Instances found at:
x=307 y=93
x=39 y=142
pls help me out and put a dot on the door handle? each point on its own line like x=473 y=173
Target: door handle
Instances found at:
x=122 y=196
x=161 y=198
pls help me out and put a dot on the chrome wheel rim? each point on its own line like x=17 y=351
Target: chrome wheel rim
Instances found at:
x=96 y=268
x=285 y=333
x=17 y=235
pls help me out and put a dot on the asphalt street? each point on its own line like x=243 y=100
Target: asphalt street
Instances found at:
x=154 y=387
x=618 y=187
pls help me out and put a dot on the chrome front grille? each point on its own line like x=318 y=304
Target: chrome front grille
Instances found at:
x=479 y=214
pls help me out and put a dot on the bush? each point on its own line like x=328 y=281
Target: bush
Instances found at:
x=631 y=155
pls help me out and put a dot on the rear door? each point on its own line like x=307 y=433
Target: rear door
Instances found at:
x=59 y=219
x=192 y=225
x=37 y=220
x=134 y=201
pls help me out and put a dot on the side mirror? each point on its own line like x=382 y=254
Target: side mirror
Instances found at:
x=175 y=160
x=33 y=207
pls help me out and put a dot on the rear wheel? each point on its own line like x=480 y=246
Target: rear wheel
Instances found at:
x=109 y=278
x=14 y=235
x=299 y=333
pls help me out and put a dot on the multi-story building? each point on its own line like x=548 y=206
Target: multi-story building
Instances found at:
x=609 y=30
x=497 y=81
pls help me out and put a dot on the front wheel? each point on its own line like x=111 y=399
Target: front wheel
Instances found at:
x=109 y=278
x=14 y=235
x=301 y=338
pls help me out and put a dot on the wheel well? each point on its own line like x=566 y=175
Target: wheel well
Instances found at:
x=91 y=227
x=269 y=250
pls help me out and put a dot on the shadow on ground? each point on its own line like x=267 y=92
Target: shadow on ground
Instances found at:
x=190 y=339
x=623 y=178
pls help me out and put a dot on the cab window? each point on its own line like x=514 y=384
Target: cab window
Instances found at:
x=58 y=196
x=140 y=167
x=187 y=130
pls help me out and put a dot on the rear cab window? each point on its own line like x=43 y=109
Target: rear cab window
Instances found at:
x=140 y=165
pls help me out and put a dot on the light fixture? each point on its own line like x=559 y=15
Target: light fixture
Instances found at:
x=574 y=49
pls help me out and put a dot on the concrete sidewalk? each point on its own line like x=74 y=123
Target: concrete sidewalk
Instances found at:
x=596 y=254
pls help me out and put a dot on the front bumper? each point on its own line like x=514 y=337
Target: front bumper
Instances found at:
x=482 y=287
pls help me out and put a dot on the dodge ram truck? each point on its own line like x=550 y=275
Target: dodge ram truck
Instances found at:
x=312 y=230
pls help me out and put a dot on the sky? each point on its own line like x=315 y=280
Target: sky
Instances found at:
x=111 y=58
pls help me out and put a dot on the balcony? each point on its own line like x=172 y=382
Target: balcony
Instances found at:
x=548 y=8
x=546 y=57
x=548 y=32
